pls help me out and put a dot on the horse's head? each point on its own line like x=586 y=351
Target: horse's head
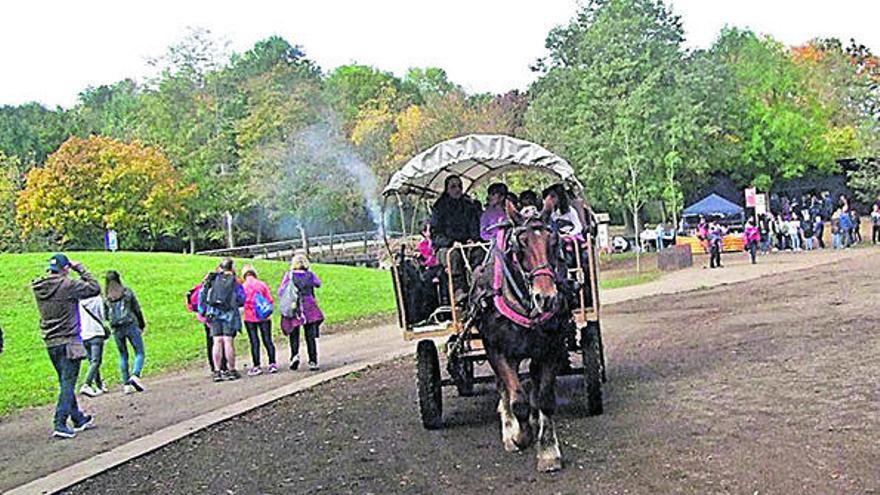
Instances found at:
x=535 y=246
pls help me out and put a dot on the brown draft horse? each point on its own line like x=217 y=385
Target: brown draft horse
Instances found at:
x=519 y=311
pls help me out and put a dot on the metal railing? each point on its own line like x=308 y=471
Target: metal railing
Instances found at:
x=317 y=245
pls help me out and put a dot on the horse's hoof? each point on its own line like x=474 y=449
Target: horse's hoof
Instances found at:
x=511 y=446
x=549 y=465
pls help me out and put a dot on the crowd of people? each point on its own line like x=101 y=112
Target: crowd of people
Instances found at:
x=77 y=317
x=795 y=229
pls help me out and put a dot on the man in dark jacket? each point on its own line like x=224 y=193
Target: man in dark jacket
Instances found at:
x=455 y=217
x=58 y=298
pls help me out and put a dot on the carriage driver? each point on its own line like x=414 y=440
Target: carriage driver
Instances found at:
x=455 y=217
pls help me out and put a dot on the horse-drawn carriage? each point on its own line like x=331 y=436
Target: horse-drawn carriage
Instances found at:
x=531 y=292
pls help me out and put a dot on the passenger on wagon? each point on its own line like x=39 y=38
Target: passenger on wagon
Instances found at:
x=563 y=215
x=494 y=213
x=455 y=218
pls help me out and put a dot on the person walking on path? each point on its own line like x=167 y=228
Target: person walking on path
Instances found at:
x=195 y=305
x=123 y=311
x=309 y=315
x=716 y=245
x=223 y=295
x=753 y=238
x=258 y=307
x=93 y=334
x=57 y=298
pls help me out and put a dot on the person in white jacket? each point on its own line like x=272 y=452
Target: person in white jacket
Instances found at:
x=91 y=317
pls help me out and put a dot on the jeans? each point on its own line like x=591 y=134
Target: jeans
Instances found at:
x=132 y=334
x=210 y=342
x=795 y=242
x=765 y=243
x=95 y=352
x=68 y=372
x=753 y=248
x=808 y=243
x=312 y=332
x=835 y=240
x=256 y=330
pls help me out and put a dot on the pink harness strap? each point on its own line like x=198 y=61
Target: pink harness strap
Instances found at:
x=498 y=283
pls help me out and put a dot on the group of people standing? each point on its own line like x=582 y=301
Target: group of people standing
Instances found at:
x=222 y=300
x=75 y=320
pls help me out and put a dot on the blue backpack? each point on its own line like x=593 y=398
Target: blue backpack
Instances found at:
x=262 y=307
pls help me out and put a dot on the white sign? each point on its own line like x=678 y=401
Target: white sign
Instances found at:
x=760 y=204
x=111 y=241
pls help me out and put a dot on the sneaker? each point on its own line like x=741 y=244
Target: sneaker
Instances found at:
x=135 y=381
x=256 y=370
x=218 y=376
x=63 y=431
x=128 y=389
x=86 y=423
x=294 y=363
x=104 y=388
x=88 y=391
x=314 y=366
x=233 y=375
x=273 y=368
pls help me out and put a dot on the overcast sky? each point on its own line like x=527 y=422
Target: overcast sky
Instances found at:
x=51 y=50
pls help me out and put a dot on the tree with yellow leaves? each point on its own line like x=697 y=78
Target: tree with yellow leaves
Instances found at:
x=89 y=185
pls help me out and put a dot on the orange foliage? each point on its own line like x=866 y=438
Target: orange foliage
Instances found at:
x=91 y=184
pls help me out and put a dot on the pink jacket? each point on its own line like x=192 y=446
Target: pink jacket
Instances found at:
x=253 y=286
x=752 y=234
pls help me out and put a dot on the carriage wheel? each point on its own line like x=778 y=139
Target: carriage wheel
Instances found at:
x=464 y=377
x=428 y=384
x=591 y=352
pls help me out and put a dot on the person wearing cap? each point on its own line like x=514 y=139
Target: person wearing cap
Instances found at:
x=58 y=296
x=256 y=295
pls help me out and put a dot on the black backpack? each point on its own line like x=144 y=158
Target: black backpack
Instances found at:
x=120 y=314
x=220 y=293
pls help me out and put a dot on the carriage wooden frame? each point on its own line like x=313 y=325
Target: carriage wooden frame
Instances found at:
x=477 y=158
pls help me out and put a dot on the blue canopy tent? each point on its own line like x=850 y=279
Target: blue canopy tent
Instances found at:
x=714 y=208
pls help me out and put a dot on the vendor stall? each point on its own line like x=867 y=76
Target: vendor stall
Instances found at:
x=713 y=208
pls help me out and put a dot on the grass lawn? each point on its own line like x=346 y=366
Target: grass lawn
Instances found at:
x=173 y=337
x=627 y=278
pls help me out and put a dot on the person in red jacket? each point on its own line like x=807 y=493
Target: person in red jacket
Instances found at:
x=258 y=319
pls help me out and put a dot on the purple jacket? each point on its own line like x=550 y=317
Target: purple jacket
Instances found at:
x=306 y=281
x=489 y=219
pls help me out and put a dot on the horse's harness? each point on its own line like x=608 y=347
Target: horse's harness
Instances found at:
x=507 y=292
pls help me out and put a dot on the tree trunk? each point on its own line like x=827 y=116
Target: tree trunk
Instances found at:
x=230 y=240
x=638 y=246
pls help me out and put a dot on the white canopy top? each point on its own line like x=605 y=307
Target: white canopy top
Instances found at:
x=474 y=157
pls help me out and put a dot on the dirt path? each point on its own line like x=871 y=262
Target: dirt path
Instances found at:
x=28 y=453
x=767 y=386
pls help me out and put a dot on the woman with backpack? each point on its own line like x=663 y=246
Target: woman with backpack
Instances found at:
x=258 y=307
x=223 y=295
x=93 y=334
x=123 y=312
x=300 y=309
x=195 y=305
